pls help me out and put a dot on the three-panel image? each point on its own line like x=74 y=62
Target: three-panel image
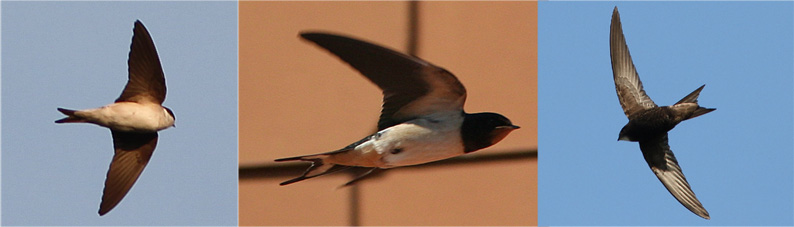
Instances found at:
x=396 y=113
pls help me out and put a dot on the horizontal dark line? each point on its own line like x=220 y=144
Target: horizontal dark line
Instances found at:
x=293 y=169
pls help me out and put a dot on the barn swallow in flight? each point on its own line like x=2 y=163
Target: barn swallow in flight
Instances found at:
x=133 y=119
x=649 y=123
x=422 y=119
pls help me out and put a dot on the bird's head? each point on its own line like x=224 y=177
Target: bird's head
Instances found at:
x=482 y=130
x=624 y=135
x=171 y=114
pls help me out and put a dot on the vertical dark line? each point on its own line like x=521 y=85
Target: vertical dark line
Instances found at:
x=411 y=49
x=354 y=204
x=413 y=28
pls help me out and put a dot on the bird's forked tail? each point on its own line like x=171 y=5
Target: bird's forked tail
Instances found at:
x=693 y=98
x=318 y=167
x=70 y=117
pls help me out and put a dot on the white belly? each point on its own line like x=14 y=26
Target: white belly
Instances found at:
x=129 y=116
x=420 y=141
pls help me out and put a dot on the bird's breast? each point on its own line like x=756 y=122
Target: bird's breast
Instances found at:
x=130 y=116
x=417 y=142
x=649 y=124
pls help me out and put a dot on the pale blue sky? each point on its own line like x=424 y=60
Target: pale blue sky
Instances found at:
x=74 y=55
x=738 y=159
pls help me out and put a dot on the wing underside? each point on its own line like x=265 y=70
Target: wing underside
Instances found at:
x=664 y=164
x=629 y=88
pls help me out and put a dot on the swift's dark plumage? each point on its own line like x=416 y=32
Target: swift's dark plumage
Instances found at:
x=422 y=119
x=649 y=123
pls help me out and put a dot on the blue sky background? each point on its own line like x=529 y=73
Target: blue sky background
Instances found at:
x=738 y=159
x=74 y=55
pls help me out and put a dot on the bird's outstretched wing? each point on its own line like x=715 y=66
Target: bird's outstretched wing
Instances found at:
x=132 y=153
x=663 y=163
x=411 y=86
x=627 y=82
x=146 y=80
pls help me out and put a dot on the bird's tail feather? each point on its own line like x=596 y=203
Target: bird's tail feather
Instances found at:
x=70 y=117
x=318 y=167
x=691 y=97
x=700 y=111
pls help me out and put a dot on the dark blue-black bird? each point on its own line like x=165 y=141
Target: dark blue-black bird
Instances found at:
x=649 y=123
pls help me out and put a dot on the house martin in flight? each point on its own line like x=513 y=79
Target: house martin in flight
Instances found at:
x=133 y=119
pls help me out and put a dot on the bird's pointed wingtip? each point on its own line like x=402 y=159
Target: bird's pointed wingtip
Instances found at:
x=704 y=214
x=313 y=34
x=303 y=34
x=290 y=181
x=615 y=17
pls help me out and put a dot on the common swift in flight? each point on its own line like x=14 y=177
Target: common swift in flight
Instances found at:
x=648 y=123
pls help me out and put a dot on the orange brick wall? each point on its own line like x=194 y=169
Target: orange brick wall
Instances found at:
x=297 y=99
